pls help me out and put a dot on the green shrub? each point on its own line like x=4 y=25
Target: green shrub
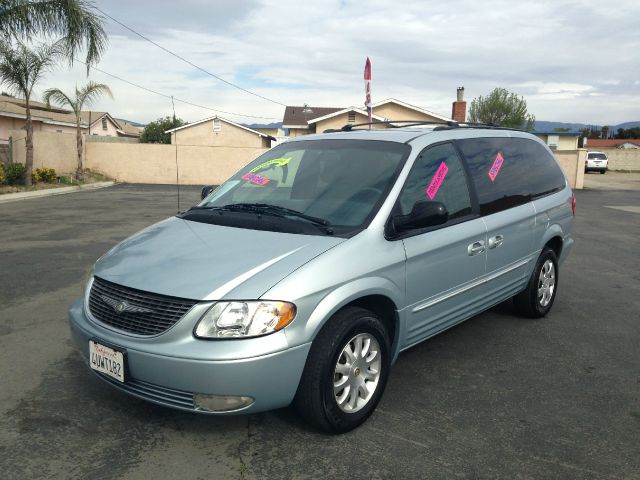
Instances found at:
x=35 y=177
x=46 y=175
x=2 y=175
x=15 y=174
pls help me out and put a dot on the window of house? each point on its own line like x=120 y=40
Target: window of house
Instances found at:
x=104 y=123
x=217 y=125
x=352 y=117
x=437 y=175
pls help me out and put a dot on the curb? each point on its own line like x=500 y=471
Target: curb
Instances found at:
x=15 y=197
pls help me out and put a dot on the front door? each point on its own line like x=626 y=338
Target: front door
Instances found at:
x=444 y=263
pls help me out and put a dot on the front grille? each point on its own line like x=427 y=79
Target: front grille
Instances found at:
x=153 y=393
x=135 y=311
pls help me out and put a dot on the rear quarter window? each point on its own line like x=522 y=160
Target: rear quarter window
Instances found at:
x=508 y=172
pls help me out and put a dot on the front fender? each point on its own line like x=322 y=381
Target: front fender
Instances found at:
x=341 y=297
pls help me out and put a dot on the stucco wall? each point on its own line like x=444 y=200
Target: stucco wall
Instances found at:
x=338 y=122
x=152 y=163
x=398 y=112
x=96 y=128
x=624 y=159
x=565 y=142
x=298 y=132
x=228 y=136
x=137 y=162
x=50 y=149
x=572 y=163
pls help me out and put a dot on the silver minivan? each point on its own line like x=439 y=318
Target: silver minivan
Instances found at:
x=303 y=277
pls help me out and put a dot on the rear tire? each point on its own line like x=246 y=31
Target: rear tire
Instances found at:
x=603 y=172
x=346 y=371
x=537 y=299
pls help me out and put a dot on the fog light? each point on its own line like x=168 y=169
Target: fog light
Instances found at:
x=221 y=403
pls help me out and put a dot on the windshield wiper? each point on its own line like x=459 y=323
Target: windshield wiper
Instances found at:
x=276 y=210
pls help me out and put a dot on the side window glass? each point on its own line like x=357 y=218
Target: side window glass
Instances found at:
x=437 y=175
x=508 y=172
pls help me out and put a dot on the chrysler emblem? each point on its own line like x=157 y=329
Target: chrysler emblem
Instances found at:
x=120 y=306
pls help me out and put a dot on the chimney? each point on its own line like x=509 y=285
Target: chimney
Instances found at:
x=459 y=107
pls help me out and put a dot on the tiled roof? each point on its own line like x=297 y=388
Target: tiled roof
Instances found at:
x=301 y=115
x=610 y=142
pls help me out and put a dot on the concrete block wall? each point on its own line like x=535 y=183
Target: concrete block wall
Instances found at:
x=624 y=159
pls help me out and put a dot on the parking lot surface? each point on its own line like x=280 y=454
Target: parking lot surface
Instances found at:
x=495 y=397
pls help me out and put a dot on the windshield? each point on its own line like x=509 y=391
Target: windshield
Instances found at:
x=336 y=183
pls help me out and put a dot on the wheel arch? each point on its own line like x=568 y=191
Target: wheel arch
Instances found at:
x=376 y=294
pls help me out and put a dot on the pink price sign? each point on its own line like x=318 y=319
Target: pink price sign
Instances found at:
x=437 y=180
x=496 y=166
x=256 y=179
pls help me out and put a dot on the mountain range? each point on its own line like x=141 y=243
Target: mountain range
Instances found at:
x=544 y=126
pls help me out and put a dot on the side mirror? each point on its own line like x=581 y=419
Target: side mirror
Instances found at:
x=206 y=190
x=423 y=214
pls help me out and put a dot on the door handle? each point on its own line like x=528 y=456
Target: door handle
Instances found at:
x=495 y=242
x=475 y=248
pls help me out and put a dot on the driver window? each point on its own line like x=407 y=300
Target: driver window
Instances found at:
x=437 y=175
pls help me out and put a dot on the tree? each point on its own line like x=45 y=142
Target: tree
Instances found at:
x=20 y=69
x=154 y=131
x=605 y=131
x=77 y=21
x=627 y=133
x=501 y=108
x=83 y=96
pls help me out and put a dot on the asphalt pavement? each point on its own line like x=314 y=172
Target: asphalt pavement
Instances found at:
x=495 y=397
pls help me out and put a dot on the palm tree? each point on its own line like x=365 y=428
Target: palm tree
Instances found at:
x=83 y=96
x=20 y=69
x=77 y=21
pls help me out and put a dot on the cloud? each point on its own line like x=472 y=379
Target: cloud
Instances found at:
x=564 y=57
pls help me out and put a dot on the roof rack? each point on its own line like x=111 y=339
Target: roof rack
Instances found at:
x=412 y=123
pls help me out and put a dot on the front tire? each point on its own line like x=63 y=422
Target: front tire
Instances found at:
x=537 y=299
x=346 y=371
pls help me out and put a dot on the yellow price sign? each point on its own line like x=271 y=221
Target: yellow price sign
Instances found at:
x=276 y=162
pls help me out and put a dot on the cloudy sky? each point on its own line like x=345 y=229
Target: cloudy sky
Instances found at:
x=574 y=61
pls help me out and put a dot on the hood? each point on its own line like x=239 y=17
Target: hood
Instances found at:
x=201 y=261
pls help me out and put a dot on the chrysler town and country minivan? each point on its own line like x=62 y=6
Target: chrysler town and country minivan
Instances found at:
x=304 y=276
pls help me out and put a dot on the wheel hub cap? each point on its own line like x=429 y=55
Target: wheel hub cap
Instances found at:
x=546 y=283
x=357 y=373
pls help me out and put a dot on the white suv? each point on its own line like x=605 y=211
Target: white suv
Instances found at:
x=597 y=162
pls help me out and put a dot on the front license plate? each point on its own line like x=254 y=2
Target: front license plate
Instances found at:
x=106 y=360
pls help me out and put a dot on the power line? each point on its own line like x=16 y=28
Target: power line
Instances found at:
x=186 y=102
x=188 y=61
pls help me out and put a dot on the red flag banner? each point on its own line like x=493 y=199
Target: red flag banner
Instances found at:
x=367 y=88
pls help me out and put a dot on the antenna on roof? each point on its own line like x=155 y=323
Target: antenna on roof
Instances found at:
x=173 y=105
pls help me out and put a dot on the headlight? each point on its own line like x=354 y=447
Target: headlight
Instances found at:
x=245 y=319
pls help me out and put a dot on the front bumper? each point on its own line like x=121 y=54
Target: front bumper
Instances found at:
x=271 y=378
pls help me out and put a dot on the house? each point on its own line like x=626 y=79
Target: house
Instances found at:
x=56 y=120
x=219 y=132
x=560 y=140
x=599 y=143
x=307 y=120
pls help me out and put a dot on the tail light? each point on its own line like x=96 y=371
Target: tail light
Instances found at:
x=573 y=204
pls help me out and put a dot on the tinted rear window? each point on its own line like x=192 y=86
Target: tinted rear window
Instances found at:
x=597 y=156
x=510 y=171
